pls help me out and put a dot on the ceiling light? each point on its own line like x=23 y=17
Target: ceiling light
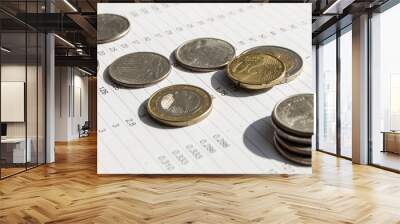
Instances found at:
x=5 y=50
x=337 y=7
x=70 y=5
x=65 y=41
x=84 y=71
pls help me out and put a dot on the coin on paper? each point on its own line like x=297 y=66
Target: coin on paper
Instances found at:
x=293 y=147
x=290 y=137
x=295 y=114
x=111 y=27
x=204 y=54
x=292 y=61
x=139 y=69
x=179 y=105
x=296 y=158
x=256 y=71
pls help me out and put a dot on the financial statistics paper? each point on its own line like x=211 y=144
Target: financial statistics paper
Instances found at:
x=237 y=137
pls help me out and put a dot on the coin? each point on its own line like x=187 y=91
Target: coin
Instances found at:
x=293 y=147
x=256 y=71
x=204 y=54
x=111 y=27
x=139 y=69
x=295 y=114
x=299 y=159
x=179 y=105
x=292 y=61
x=290 y=137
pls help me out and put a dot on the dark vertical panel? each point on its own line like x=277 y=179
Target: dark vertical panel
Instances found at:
x=338 y=82
x=317 y=96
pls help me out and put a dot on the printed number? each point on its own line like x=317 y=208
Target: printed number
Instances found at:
x=180 y=157
x=103 y=91
x=194 y=152
x=207 y=146
x=166 y=163
x=130 y=122
x=221 y=141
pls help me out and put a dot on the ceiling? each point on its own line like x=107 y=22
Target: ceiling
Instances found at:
x=75 y=22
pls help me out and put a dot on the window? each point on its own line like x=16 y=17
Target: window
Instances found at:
x=327 y=96
x=385 y=88
x=346 y=92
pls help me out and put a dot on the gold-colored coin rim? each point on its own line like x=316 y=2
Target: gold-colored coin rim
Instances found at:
x=286 y=79
x=191 y=119
x=118 y=36
x=252 y=85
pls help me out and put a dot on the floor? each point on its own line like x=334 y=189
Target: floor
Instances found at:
x=387 y=159
x=70 y=191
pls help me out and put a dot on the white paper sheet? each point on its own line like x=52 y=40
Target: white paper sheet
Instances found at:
x=236 y=138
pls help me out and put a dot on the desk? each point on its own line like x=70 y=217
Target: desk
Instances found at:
x=13 y=150
x=391 y=141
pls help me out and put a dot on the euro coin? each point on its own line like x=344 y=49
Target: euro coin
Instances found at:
x=295 y=114
x=256 y=71
x=292 y=60
x=179 y=105
x=290 y=137
x=293 y=147
x=204 y=54
x=139 y=69
x=299 y=159
x=111 y=27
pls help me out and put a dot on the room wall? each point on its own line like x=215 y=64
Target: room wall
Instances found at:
x=34 y=124
x=71 y=102
x=15 y=72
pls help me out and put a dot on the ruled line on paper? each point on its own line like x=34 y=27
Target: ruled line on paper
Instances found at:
x=233 y=139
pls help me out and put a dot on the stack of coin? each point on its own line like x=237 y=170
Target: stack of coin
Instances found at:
x=204 y=54
x=179 y=105
x=293 y=119
x=263 y=67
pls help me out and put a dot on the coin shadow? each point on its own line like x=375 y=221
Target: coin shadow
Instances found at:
x=148 y=120
x=222 y=84
x=176 y=64
x=267 y=150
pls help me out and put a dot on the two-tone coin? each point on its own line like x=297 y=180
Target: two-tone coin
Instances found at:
x=204 y=54
x=256 y=71
x=139 y=69
x=293 y=147
x=290 y=137
x=292 y=60
x=179 y=105
x=111 y=27
x=296 y=158
x=295 y=114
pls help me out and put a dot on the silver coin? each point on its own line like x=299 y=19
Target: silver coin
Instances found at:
x=295 y=114
x=292 y=61
x=139 y=69
x=204 y=54
x=299 y=159
x=293 y=147
x=290 y=137
x=111 y=27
